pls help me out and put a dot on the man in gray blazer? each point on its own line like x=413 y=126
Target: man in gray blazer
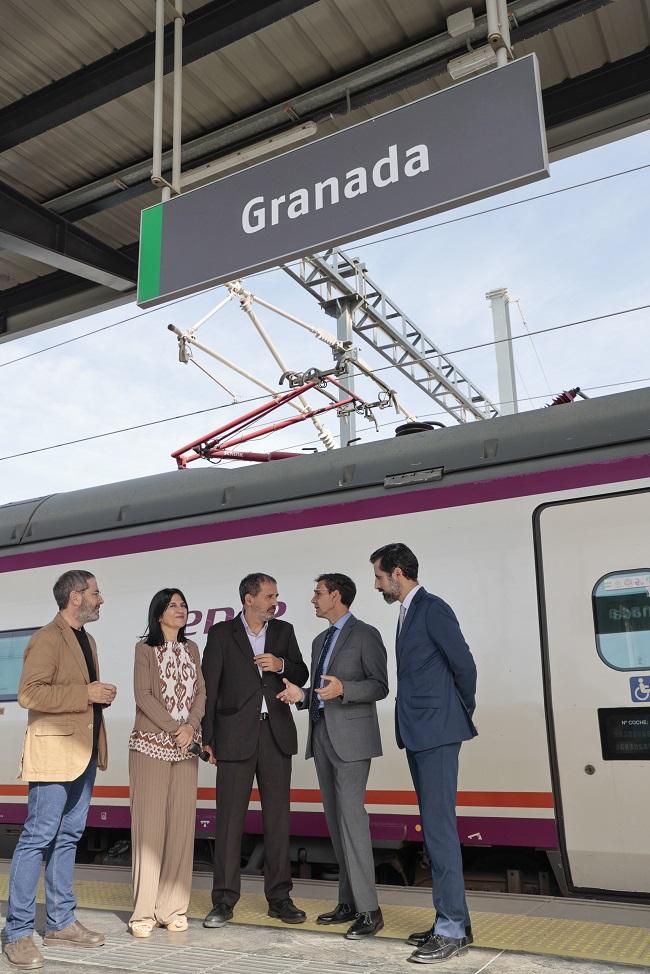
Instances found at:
x=348 y=676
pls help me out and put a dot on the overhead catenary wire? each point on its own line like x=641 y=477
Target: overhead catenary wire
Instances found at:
x=533 y=345
x=386 y=238
x=425 y=358
x=198 y=412
x=130 y=429
x=553 y=328
x=455 y=351
x=86 y=334
x=513 y=338
x=521 y=379
x=360 y=246
x=504 y=206
x=503 y=402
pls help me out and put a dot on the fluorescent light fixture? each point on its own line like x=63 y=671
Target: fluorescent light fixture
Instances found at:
x=473 y=61
x=248 y=154
x=461 y=23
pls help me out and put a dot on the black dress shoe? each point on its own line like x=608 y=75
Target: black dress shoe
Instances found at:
x=218 y=915
x=343 y=913
x=287 y=911
x=438 y=948
x=417 y=939
x=365 y=925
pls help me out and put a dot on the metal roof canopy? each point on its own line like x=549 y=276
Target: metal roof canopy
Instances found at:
x=76 y=105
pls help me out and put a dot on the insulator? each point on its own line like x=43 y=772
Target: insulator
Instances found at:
x=567 y=396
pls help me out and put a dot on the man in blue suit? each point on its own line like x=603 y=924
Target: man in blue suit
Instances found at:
x=436 y=688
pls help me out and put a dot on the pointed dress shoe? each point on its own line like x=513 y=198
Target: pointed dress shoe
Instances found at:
x=417 y=939
x=438 y=948
x=342 y=913
x=365 y=925
x=287 y=911
x=218 y=916
x=23 y=954
x=74 y=935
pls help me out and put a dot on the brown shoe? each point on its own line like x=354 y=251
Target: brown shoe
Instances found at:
x=76 y=935
x=23 y=954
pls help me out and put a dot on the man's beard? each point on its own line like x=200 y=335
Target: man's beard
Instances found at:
x=88 y=615
x=389 y=597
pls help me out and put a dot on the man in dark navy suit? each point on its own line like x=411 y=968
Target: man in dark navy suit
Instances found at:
x=436 y=688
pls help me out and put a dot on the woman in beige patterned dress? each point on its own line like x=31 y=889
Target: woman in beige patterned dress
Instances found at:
x=170 y=701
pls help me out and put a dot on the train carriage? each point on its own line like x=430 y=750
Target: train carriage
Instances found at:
x=533 y=527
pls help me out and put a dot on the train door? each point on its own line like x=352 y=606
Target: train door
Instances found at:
x=593 y=559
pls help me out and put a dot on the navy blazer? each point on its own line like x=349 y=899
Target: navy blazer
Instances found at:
x=436 y=677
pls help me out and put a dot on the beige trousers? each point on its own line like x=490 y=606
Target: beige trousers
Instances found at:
x=163 y=806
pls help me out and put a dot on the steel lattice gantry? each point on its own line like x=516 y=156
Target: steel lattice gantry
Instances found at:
x=385 y=327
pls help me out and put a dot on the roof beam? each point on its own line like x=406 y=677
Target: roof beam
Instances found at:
x=30 y=229
x=55 y=298
x=211 y=27
x=598 y=90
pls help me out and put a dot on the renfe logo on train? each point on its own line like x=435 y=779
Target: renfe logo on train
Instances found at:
x=466 y=142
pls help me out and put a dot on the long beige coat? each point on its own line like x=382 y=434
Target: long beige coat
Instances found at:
x=54 y=690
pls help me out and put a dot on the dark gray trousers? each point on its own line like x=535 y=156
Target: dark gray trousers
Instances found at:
x=343 y=790
x=272 y=769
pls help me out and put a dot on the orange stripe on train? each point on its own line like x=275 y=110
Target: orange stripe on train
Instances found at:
x=312 y=796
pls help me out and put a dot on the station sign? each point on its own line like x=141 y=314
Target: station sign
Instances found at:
x=469 y=141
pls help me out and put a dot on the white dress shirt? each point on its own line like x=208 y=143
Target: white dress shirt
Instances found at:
x=406 y=604
x=258 y=644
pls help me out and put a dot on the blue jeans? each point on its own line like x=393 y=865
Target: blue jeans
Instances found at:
x=56 y=818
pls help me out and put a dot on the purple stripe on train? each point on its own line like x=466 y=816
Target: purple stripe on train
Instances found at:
x=539 y=833
x=477 y=492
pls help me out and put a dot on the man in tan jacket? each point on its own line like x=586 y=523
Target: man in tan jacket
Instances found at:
x=64 y=745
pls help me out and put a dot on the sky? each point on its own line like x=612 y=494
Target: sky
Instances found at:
x=564 y=257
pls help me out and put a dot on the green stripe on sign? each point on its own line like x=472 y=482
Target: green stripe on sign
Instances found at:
x=151 y=221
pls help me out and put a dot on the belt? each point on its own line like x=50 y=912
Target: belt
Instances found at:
x=264 y=716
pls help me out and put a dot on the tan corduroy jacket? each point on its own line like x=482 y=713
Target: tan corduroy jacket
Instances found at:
x=54 y=690
x=151 y=714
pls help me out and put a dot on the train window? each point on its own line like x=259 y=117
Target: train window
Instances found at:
x=12 y=646
x=621 y=603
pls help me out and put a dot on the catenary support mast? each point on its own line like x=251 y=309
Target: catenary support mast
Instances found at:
x=383 y=325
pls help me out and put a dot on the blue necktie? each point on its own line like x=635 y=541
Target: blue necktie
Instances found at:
x=314 y=703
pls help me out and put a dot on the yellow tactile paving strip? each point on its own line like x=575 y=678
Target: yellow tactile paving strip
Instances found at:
x=604 y=942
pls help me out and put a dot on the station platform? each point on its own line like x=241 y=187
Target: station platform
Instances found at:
x=522 y=934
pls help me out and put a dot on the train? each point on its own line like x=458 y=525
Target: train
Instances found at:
x=533 y=527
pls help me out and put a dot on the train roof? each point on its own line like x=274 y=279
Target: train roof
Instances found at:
x=533 y=439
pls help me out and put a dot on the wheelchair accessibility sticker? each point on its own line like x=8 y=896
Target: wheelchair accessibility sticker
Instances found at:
x=639 y=689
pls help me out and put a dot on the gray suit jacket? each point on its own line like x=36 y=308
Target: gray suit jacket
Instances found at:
x=359 y=661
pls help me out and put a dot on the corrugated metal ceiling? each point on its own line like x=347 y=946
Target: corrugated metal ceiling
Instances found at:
x=45 y=42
